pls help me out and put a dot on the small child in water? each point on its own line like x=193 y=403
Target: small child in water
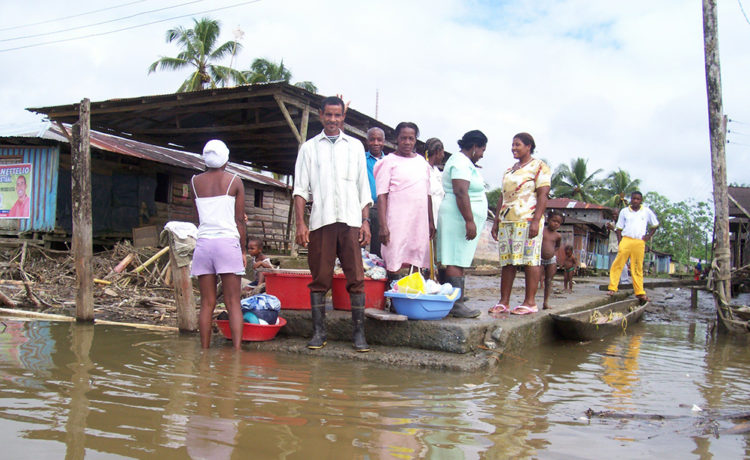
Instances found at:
x=570 y=264
x=259 y=260
x=550 y=244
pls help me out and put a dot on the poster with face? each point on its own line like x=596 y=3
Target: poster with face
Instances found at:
x=15 y=191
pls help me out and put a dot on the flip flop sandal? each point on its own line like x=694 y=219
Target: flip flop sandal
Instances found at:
x=498 y=308
x=524 y=310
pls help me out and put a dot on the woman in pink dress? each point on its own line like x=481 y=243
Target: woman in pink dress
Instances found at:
x=402 y=180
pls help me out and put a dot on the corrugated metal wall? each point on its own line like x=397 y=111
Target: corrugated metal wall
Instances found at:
x=46 y=162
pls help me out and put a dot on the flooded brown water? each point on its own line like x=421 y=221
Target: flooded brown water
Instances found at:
x=105 y=392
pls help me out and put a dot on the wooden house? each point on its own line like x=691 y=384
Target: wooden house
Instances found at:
x=739 y=225
x=662 y=261
x=585 y=230
x=134 y=185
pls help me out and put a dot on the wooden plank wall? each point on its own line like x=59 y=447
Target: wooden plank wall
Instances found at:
x=267 y=222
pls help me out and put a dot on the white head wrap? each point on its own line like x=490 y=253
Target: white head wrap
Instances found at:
x=215 y=153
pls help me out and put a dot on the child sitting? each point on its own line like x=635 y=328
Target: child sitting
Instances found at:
x=258 y=260
x=550 y=244
x=570 y=264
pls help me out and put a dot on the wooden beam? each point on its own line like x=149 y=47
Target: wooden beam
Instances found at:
x=81 y=202
x=209 y=129
x=288 y=119
x=148 y=103
x=65 y=132
x=303 y=125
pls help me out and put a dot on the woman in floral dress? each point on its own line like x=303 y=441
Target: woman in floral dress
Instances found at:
x=519 y=220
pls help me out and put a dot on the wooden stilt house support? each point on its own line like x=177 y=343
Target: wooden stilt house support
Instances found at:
x=82 y=228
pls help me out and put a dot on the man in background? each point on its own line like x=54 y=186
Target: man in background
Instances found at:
x=375 y=142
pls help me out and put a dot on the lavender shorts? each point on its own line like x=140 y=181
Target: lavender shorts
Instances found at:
x=215 y=256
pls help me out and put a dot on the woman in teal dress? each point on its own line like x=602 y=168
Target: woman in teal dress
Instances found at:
x=462 y=214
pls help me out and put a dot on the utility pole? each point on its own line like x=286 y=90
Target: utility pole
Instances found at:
x=717 y=130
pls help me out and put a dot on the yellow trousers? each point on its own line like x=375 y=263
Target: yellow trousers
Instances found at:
x=633 y=249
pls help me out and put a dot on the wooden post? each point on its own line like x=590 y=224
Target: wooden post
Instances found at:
x=81 y=199
x=694 y=298
x=187 y=317
x=291 y=223
x=717 y=129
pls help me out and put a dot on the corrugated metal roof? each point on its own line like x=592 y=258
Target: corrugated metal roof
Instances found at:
x=133 y=148
x=567 y=203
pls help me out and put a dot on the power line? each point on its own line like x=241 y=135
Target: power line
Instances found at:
x=127 y=28
x=98 y=23
x=743 y=11
x=70 y=17
x=731 y=120
x=737 y=132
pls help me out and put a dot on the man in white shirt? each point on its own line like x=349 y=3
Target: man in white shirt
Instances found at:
x=635 y=225
x=612 y=246
x=331 y=172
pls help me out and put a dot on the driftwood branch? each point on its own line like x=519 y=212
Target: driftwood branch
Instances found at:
x=5 y=300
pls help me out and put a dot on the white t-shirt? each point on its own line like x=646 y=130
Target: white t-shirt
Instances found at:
x=635 y=224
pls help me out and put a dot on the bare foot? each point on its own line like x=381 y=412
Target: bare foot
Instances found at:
x=545 y=306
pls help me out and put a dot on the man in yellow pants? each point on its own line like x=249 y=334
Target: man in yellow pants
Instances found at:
x=635 y=225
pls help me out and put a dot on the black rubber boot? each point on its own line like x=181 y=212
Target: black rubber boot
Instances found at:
x=318 y=306
x=358 y=322
x=460 y=310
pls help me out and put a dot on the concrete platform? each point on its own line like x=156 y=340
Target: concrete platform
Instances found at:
x=465 y=345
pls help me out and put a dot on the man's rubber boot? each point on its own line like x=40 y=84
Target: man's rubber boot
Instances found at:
x=460 y=310
x=358 y=322
x=318 y=307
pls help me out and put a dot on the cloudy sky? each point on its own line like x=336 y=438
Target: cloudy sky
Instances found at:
x=620 y=83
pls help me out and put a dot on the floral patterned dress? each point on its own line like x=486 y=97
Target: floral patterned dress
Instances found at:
x=519 y=204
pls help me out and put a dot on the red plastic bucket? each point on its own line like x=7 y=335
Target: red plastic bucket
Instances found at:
x=252 y=332
x=290 y=288
x=374 y=293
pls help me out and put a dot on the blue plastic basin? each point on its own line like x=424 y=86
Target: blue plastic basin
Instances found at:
x=422 y=306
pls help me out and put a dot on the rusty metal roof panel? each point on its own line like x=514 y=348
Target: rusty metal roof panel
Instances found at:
x=567 y=203
x=144 y=151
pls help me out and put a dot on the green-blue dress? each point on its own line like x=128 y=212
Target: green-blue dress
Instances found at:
x=452 y=246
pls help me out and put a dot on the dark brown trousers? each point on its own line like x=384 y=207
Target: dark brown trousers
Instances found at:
x=327 y=243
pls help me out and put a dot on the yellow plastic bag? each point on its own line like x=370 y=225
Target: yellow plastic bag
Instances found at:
x=411 y=284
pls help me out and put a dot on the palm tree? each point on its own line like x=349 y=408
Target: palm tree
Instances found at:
x=574 y=181
x=617 y=187
x=264 y=71
x=200 y=52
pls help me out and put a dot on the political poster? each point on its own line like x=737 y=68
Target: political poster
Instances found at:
x=15 y=191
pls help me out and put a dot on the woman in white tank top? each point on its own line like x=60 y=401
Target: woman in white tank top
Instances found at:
x=220 y=248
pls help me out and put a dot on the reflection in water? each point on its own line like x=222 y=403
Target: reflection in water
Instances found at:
x=620 y=364
x=76 y=390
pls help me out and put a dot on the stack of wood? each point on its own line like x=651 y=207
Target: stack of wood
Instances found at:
x=131 y=284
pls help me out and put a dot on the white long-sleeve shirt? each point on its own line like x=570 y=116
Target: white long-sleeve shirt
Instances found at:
x=334 y=177
x=635 y=224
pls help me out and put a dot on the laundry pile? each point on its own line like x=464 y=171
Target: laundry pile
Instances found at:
x=373 y=265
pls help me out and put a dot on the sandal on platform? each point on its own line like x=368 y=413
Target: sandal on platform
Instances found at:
x=524 y=310
x=498 y=308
